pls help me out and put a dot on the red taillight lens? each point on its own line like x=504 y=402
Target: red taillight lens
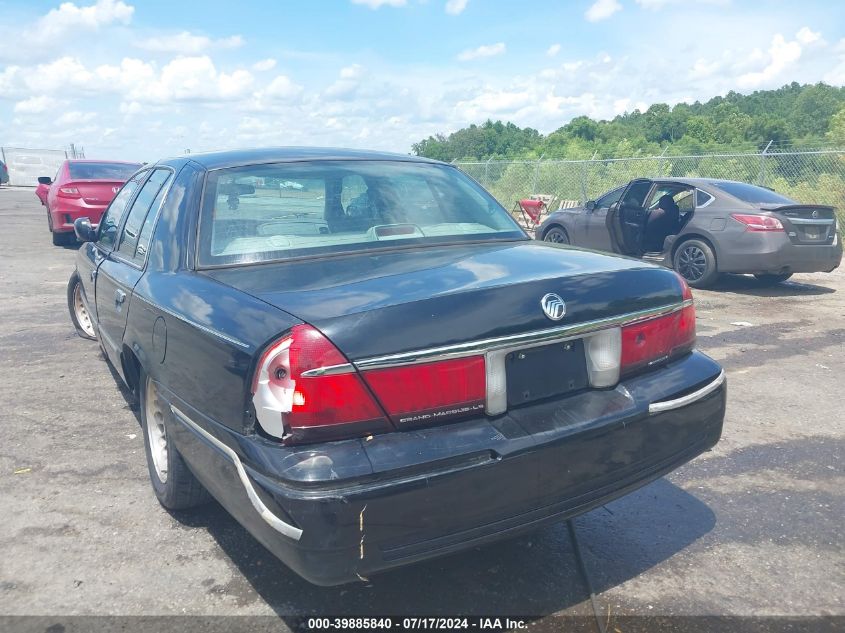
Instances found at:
x=322 y=406
x=68 y=192
x=430 y=391
x=758 y=222
x=650 y=342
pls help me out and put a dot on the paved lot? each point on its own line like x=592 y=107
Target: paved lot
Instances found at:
x=754 y=527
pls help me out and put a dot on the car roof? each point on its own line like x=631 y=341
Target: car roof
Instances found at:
x=104 y=160
x=238 y=157
x=697 y=182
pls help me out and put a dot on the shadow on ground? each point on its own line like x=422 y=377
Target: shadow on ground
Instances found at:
x=749 y=285
x=532 y=575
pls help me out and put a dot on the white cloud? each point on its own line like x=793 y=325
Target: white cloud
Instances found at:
x=553 y=50
x=69 y=18
x=264 y=65
x=283 y=88
x=602 y=9
x=348 y=83
x=186 y=43
x=376 y=4
x=34 y=105
x=782 y=54
x=806 y=36
x=75 y=117
x=456 y=7
x=59 y=29
x=490 y=50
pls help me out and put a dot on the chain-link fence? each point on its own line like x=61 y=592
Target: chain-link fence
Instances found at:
x=25 y=165
x=813 y=177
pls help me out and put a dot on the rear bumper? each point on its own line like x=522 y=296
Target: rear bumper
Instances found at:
x=72 y=210
x=774 y=253
x=345 y=510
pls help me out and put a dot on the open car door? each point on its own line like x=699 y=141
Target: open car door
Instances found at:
x=626 y=218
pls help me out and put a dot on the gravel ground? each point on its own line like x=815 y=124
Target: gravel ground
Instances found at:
x=752 y=528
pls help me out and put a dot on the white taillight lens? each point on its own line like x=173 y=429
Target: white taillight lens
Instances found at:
x=604 y=352
x=305 y=390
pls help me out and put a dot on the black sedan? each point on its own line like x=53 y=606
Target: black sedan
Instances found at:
x=702 y=227
x=374 y=365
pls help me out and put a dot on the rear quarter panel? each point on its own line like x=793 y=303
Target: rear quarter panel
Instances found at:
x=194 y=335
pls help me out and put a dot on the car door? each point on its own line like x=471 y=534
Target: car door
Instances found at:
x=595 y=231
x=92 y=254
x=123 y=266
x=625 y=218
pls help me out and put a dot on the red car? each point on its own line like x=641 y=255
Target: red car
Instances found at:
x=82 y=189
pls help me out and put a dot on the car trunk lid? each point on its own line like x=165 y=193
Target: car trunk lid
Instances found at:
x=376 y=304
x=806 y=224
x=95 y=192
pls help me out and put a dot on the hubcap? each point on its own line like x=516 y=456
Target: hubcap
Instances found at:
x=82 y=316
x=692 y=263
x=156 y=433
x=556 y=236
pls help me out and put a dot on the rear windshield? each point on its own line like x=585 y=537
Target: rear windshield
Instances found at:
x=102 y=171
x=277 y=211
x=752 y=194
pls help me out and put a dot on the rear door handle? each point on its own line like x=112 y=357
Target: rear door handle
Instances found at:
x=119 y=297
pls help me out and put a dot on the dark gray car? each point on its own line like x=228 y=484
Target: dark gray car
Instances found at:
x=702 y=227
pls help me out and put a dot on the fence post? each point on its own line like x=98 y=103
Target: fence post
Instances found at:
x=487 y=172
x=536 y=175
x=584 y=181
x=761 y=177
x=659 y=173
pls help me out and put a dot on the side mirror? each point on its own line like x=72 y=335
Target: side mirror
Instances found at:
x=590 y=205
x=45 y=180
x=84 y=231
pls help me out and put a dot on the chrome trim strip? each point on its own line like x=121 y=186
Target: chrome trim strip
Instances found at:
x=331 y=370
x=820 y=222
x=524 y=339
x=669 y=405
x=275 y=522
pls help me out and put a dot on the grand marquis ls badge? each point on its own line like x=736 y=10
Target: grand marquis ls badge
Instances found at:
x=553 y=306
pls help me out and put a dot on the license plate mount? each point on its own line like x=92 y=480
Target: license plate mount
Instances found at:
x=543 y=372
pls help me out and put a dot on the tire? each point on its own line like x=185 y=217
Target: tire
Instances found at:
x=78 y=311
x=174 y=484
x=771 y=280
x=695 y=261
x=557 y=235
x=63 y=239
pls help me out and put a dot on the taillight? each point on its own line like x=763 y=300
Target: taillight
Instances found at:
x=758 y=222
x=650 y=342
x=305 y=389
x=68 y=192
x=430 y=391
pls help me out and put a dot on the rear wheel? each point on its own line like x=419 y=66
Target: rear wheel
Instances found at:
x=771 y=280
x=173 y=483
x=78 y=310
x=556 y=235
x=696 y=263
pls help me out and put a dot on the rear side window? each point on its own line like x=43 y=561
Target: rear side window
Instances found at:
x=141 y=208
x=702 y=198
x=102 y=171
x=278 y=211
x=752 y=194
x=111 y=218
x=149 y=223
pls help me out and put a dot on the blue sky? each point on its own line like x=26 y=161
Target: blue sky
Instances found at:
x=146 y=78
